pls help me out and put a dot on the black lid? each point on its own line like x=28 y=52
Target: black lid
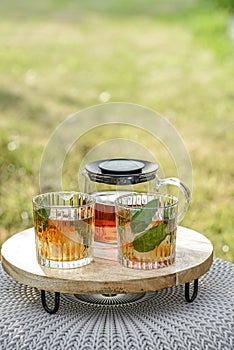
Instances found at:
x=121 y=171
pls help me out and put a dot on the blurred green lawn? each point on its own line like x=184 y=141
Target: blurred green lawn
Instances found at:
x=58 y=57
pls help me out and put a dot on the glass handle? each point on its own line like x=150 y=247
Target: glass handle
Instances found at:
x=184 y=189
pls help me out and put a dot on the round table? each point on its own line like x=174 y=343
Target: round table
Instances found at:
x=194 y=254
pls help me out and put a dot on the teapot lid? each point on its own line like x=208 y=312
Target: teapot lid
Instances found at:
x=121 y=171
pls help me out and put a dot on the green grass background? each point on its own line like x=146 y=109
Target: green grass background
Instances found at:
x=176 y=57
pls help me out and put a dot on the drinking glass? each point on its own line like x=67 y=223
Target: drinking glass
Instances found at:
x=146 y=229
x=64 y=229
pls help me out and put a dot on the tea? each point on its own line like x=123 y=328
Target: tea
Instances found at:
x=163 y=254
x=63 y=240
x=105 y=222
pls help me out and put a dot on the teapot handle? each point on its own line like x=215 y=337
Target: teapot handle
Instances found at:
x=185 y=190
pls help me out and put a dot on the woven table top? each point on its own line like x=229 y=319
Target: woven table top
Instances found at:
x=146 y=321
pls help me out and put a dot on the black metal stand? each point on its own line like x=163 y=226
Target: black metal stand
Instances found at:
x=56 y=302
x=51 y=311
x=195 y=291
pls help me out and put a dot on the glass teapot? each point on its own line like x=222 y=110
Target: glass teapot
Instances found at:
x=108 y=179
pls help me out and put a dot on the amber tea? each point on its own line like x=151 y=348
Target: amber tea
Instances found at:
x=105 y=220
x=62 y=240
x=105 y=225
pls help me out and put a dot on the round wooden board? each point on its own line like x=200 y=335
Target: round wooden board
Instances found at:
x=194 y=255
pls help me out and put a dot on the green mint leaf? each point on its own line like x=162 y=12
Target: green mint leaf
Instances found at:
x=143 y=217
x=150 y=238
x=44 y=213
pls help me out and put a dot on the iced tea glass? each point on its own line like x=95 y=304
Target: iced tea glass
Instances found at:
x=146 y=229
x=64 y=229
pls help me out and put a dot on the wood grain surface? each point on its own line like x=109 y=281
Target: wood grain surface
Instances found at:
x=194 y=255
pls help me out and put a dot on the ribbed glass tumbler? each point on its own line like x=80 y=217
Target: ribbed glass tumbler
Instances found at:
x=146 y=230
x=64 y=229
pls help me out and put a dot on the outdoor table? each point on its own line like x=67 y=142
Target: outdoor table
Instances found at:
x=161 y=319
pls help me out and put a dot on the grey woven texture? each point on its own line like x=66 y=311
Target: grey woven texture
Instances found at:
x=159 y=320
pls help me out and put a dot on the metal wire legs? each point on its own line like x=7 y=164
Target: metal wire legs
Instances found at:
x=53 y=310
x=191 y=298
x=56 y=302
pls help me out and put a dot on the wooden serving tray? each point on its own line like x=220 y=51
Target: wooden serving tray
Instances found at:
x=194 y=255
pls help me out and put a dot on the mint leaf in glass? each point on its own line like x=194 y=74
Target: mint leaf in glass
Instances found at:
x=143 y=217
x=150 y=238
x=44 y=213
